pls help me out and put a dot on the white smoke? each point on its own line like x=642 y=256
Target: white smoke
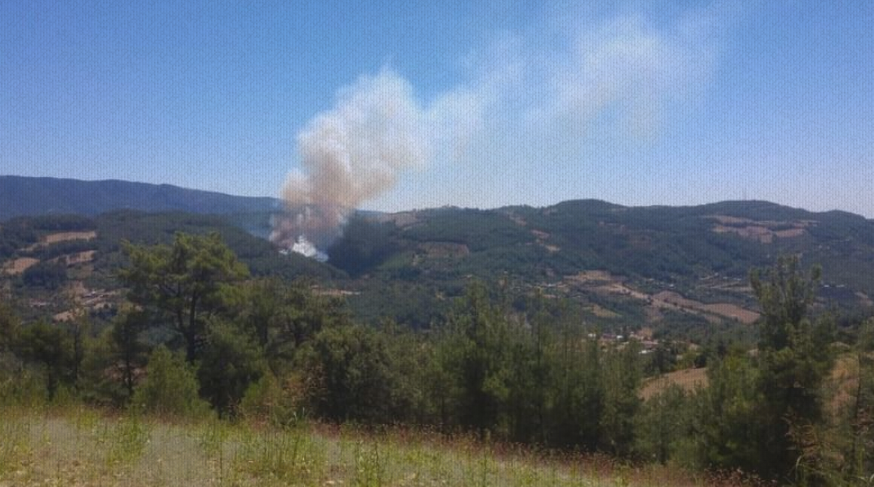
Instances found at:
x=307 y=249
x=351 y=154
x=525 y=104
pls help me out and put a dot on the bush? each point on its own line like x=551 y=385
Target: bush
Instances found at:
x=170 y=387
x=273 y=402
x=231 y=362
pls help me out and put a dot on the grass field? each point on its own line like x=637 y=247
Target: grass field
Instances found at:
x=82 y=447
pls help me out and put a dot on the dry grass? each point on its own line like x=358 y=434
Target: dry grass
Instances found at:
x=79 y=447
x=670 y=299
x=688 y=379
x=65 y=236
x=17 y=266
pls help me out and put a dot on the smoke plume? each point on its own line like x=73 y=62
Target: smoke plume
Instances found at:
x=349 y=155
x=527 y=110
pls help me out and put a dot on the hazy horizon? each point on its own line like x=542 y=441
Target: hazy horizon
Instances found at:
x=462 y=206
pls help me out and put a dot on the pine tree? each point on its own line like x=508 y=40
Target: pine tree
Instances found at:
x=794 y=357
x=184 y=283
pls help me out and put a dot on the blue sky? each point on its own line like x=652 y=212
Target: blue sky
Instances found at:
x=494 y=102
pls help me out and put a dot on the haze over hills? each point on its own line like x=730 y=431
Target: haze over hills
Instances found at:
x=20 y=196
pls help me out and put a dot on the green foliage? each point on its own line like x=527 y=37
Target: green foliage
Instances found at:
x=622 y=375
x=845 y=453
x=10 y=327
x=51 y=347
x=280 y=318
x=170 y=387
x=859 y=412
x=757 y=415
x=276 y=403
x=353 y=375
x=794 y=358
x=662 y=424
x=477 y=355
x=580 y=390
x=230 y=363
x=726 y=425
x=48 y=275
x=127 y=350
x=784 y=298
x=183 y=283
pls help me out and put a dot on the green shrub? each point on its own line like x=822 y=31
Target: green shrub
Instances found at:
x=273 y=402
x=170 y=387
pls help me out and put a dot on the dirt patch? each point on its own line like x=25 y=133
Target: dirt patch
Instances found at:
x=602 y=312
x=731 y=220
x=17 y=266
x=541 y=237
x=734 y=311
x=65 y=236
x=791 y=233
x=623 y=290
x=764 y=231
x=64 y=317
x=518 y=220
x=688 y=379
x=77 y=289
x=444 y=249
x=864 y=299
x=726 y=310
x=333 y=293
x=584 y=277
x=76 y=258
x=603 y=282
x=844 y=381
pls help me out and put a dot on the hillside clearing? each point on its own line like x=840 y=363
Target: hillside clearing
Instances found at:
x=67 y=236
x=688 y=379
x=18 y=266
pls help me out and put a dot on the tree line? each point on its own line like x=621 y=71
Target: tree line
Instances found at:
x=200 y=336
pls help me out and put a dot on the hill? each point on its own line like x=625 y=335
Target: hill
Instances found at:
x=679 y=271
x=20 y=196
x=675 y=267
x=50 y=262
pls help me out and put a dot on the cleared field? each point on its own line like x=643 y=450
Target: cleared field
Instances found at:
x=76 y=258
x=17 y=266
x=66 y=236
x=688 y=379
x=80 y=447
x=726 y=310
x=604 y=283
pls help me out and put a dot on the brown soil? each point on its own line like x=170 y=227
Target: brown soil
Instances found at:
x=17 y=266
x=444 y=249
x=761 y=231
x=65 y=236
x=726 y=310
x=688 y=379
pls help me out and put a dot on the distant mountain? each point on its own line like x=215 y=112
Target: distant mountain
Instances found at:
x=26 y=196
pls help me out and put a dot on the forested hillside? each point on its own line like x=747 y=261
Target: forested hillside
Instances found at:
x=196 y=335
x=671 y=268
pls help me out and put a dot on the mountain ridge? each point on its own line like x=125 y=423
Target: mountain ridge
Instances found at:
x=32 y=196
